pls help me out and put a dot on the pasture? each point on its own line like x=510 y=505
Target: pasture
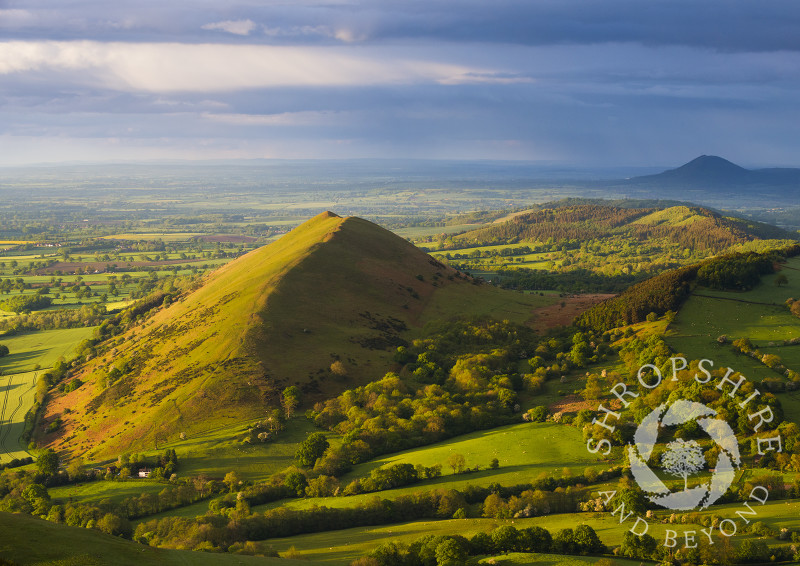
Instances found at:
x=16 y=397
x=30 y=351
x=525 y=453
x=527 y=450
x=759 y=315
x=28 y=540
x=341 y=547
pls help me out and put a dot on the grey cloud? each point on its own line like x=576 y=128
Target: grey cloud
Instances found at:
x=745 y=25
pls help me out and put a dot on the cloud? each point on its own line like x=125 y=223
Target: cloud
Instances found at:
x=236 y=27
x=16 y=18
x=303 y=118
x=163 y=67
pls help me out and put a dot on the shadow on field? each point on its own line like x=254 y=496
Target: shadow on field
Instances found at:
x=4 y=388
x=15 y=363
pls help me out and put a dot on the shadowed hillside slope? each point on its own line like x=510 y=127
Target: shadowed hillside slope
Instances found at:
x=333 y=290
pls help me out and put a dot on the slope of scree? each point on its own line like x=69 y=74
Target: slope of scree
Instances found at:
x=332 y=290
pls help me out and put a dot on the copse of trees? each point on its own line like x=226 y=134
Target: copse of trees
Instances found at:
x=450 y=550
x=659 y=294
x=25 y=303
x=735 y=271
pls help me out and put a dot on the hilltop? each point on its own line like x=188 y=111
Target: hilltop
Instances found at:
x=692 y=227
x=332 y=290
x=712 y=172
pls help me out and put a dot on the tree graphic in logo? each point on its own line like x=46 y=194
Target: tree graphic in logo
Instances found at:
x=683 y=458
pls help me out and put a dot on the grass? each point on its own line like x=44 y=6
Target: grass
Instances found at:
x=96 y=491
x=17 y=388
x=30 y=541
x=758 y=314
x=343 y=546
x=218 y=452
x=527 y=449
x=41 y=348
x=520 y=559
x=525 y=452
x=16 y=397
x=484 y=300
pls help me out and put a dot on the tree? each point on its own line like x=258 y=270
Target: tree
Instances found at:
x=3 y=350
x=456 y=461
x=451 y=552
x=781 y=279
x=313 y=447
x=505 y=538
x=290 y=399
x=683 y=459
x=296 y=481
x=232 y=480
x=47 y=463
x=75 y=469
x=36 y=494
x=587 y=541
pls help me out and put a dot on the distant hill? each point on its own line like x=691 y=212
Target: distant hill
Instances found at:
x=691 y=227
x=712 y=172
x=332 y=290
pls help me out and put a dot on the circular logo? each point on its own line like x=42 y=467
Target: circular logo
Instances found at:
x=682 y=458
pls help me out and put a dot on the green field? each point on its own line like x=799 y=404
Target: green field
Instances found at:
x=217 y=452
x=16 y=397
x=520 y=559
x=28 y=352
x=341 y=547
x=41 y=348
x=30 y=541
x=524 y=451
x=759 y=315
x=95 y=491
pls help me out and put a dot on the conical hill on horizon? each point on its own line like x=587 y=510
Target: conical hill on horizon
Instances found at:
x=332 y=290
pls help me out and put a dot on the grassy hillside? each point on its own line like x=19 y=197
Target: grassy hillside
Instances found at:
x=27 y=540
x=574 y=239
x=333 y=289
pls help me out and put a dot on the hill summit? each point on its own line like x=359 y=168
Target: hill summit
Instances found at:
x=323 y=308
x=712 y=172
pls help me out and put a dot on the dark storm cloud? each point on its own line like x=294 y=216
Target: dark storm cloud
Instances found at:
x=769 y=25
x=621 y=81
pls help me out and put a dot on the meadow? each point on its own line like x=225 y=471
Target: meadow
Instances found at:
x=339 y=548
x=16 y=397
x=31 y=541
x=758 y=314
x=30 y=351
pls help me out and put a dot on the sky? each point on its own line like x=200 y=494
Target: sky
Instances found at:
x=578 y=82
